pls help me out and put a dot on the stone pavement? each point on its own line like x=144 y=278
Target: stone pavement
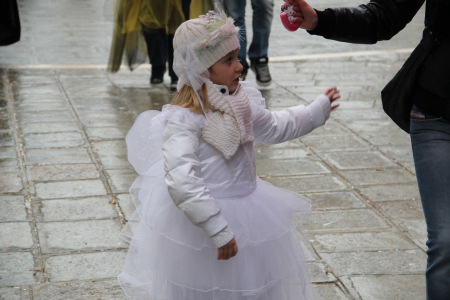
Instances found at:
x=64 y=175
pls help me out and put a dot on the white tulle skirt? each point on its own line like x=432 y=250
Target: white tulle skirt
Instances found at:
x=169 y=258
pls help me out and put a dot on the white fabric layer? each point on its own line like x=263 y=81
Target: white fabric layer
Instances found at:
x=172 y=255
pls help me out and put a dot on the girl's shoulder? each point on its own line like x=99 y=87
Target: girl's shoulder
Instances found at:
x=176 y=113
x=254 y=95
x=145 y=138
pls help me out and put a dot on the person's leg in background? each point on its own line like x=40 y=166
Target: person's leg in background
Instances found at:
x=157 y=41
x=173 y=76
x=257 y=53
x=185 y=4
x=430 y=138
x=236 y=10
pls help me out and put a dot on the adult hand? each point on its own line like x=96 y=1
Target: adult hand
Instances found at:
x=305 y=14
x=228 y=251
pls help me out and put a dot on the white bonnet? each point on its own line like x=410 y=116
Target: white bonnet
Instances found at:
x=212 y=36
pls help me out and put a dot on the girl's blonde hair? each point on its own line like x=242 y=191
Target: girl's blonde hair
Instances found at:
x=187 y=98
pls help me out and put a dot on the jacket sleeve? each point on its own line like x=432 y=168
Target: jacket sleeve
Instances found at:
x=182 y=175
x=273 y=127
x=368 y=23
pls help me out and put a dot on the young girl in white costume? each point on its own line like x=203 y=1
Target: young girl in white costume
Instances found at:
x=206 y=227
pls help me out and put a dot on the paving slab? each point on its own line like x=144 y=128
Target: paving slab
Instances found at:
x=296 y=152
x=336 y=143
x=91 y=91
x=110 y=104
x=372 y=125
x=9 y=165
x=318 y=273
x=399 y=153
x=8 y=152
x=359 y=114
x=41 y=106
x=15 y=235
x=350 y=220
x=358 y=160
x=64 y=172
x=126 y=204
x=409 y=166
x=16 y=268
x=330 y=292
x=58 y=156
x=377 y=262
x=104 y=133
x=26 y=117
x=78 y=209
x=15 y=293
x=361 y=241
x=66 y=189
x=57 y=237
x=77 y=82
x=354 y=104
x=391 y=192
x=121 y=180
x=330 y=129
x=97 y=119
x=11 y=182
x=276 y=104
x=4 y=124
x=287 y=167
x=79 y=290
x=377 y=176
x=107 y=148
x=6 y=139
x=404 y=287
x=49 y=140
x=401 y=209
x=85 y=266
x=387 y=138
x=39 y=98
x=335 y=200
x=15 y=206
x=306 y=184
x=41 y=89
x=48 y=127
x=115 y=162
x=416 y=229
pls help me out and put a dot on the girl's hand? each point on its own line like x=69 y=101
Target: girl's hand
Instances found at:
x=333 y=94
x=228 y=251
x=305 y=14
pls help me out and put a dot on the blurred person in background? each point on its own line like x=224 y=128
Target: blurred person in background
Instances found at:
x=261 y=24
x=9 y=22
x=150 y=25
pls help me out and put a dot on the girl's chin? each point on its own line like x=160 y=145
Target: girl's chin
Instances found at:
x=233 y=86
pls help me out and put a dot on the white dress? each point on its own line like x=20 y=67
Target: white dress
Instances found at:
x=170 y=257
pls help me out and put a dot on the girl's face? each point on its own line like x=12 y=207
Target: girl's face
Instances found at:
x=226 y=71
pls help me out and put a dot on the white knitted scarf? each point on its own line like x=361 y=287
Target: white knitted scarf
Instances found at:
x=229 y=123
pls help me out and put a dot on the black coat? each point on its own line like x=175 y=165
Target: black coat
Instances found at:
x=368 y=23
x=9 y=22
x=381 y=20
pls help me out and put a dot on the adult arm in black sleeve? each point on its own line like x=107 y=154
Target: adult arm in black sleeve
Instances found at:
x=368 y=23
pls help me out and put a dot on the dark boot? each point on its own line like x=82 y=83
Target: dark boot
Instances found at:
x=261 y=68
x=157 y=76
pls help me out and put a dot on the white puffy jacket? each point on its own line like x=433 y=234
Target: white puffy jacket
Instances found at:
x=196 y=173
